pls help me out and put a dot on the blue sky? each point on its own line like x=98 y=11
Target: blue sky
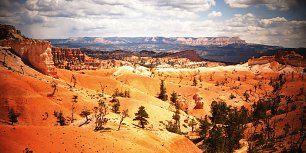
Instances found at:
x=272 y=22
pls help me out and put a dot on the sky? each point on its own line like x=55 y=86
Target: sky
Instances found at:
x=270 y=22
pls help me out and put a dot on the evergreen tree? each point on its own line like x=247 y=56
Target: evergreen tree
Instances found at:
x=85 y=113
x=259 y=110
x=100 y=113
x=13 y=116
x=215 y=140
x=141 y=116
x=192 y=123
x=246 y=96
x=194 y=82
x=115 y=107
x=163 y=93
x=173 y=97
x=204 y=127
x=219 y=111
x=60 y=118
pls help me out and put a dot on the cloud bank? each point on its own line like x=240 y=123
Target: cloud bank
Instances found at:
x=71 y=18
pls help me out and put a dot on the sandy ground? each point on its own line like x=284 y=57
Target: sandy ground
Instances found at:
x=26 y=91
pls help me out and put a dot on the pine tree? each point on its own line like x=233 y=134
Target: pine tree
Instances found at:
x=163 y=93
x=85 y=113
x=215 y=140
x=204 y=127
x=195 y=82
x=13 y=116
x=141 y=116
x=115 y=107
x=173 y=97
x=192 y=123
x=246 y=96
x=60 y=118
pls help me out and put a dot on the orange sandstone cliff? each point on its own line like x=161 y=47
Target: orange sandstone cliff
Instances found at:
x=36 y=53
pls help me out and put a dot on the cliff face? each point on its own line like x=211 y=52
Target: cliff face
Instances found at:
x=189 y=54
x=73 y=59
x=36 y=52
x=282 y=57
x=291 y=58
x=219 y=41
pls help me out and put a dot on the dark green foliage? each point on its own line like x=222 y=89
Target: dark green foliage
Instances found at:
x=172 y=127
x=118 y=93
x=232 y=96
x=235 y=126
x=85 y=113
x=194 y=82
x=13 y=116
x=228 y=128
x=219 y=112
x=141 y=116
x=192 y=124
x=275 y=104
x=60 y=118
x=173 y=97
x=293 y=107
x=215 y=140
x=163 y=93
x=204 y=127
x=100 y=113
x=246 y=96
x=27 y=150
x=115 y=107
x=259 y=110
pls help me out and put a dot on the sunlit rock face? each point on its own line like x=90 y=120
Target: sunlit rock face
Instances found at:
x=36 y=52
x=282 y=57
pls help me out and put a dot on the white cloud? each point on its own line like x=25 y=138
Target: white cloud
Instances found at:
x=270 y=4
x=62 y=19
x=215 y=14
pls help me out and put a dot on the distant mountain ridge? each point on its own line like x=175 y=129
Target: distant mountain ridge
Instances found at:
x=201 y=41
x=230 y=50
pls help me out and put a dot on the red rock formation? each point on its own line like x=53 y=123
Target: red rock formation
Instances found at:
x=36 y=52
x=73 y=59
x=261 y=60
x=290 y=58
x=198 y=101
x=189 y=54
x=282 y=57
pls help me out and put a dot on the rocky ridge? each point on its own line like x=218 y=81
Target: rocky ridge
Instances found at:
x=282 y=57
x=36 y=53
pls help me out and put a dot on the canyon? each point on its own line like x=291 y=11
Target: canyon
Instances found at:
x=40 y=80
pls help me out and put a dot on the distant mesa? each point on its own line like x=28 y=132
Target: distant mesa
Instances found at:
x=201 y=41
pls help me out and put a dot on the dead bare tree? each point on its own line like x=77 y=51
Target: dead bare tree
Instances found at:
x=123 y=115
x=74 y=101
x=73 y=80
x=102 y=88
x=54 y=86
